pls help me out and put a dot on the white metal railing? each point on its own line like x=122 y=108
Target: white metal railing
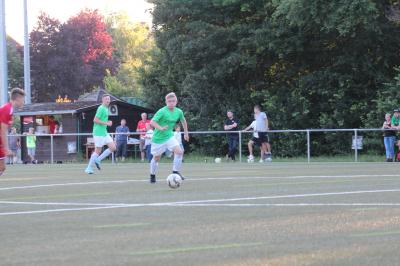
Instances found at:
x=307 y=133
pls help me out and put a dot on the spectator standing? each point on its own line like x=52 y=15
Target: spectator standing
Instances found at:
x=14 y=143
x=141 y=127
x=52 y=125
x=147 y=144
x=122 y=140
x=389 y=137
x=231 y=124
x=262 y=128
x=31 y=145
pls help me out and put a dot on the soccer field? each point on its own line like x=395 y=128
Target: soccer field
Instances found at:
x=224 y=214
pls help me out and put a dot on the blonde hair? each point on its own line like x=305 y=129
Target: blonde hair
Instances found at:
x=170 y=95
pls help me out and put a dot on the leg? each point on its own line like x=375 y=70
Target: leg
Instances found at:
x=118 y=152
x=178 y=157
x=156 y=150
x=124 y=147
x=235 y=142
x=2 y=166
x=250 y=147
x=111 y=148
x=386 y=141
x=392 y=140
x=141 y=146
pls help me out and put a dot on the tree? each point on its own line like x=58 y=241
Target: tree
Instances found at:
x=15 y=64
x=70 y=58
x=311 y=64
x=132 y=42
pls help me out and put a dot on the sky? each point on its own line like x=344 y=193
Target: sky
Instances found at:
x=64 y=9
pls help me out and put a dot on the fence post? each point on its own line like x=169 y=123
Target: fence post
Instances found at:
x=308 y=147
x=112 y=154
x=355 y=146
x=51 y=149
x=240 y=146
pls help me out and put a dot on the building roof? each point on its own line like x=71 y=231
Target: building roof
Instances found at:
x=85 y=102
x=96 y=96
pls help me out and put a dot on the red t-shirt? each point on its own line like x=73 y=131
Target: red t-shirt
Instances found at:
x=52 y=126
x=141 y=126
x=6 y=112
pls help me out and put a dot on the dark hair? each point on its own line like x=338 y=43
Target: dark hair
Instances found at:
x=257 y=106
x=105 y=95
x=17 y=92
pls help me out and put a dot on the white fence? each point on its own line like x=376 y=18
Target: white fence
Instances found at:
x=307 y=137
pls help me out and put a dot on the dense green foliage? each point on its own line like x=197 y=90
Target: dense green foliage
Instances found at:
x=310 y=63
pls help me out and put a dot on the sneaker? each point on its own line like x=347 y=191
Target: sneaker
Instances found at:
x=97 y=162
x=89 y=170
x=176 y=172
x=152 y=179
x=261 y=161
x=250 y=160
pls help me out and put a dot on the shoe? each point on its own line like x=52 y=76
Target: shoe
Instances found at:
x=89 y=171
x=97 y=162
x=152 y=179
x=250 y=160
x=176 y=172
x=261 y=161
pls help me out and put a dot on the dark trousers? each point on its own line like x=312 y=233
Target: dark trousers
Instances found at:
x=233 y=145
x=121 y=149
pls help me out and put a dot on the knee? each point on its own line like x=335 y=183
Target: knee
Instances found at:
x=178 y=152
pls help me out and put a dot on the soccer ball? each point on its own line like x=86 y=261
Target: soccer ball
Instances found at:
x=217 y=160
x=174 y=180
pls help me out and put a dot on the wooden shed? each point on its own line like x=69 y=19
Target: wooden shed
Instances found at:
x=74 y=117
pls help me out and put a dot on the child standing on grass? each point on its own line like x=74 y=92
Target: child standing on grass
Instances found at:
x=147 y=143
x=31 y=144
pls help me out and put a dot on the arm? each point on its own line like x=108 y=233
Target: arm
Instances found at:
x=185 y=129
x=248 y=128
x=157 y=126
x=4 y=139
x=266 y=122
x=98 y=121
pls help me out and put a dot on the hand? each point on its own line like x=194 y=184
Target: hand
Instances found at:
x=186 y=137
x=9 y=153
x=109 y=123
x=163 y=128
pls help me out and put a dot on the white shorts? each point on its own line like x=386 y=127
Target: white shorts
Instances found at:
x=159 y=149
x=100 y=141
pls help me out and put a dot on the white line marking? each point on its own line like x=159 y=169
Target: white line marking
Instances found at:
x=192 y=179
x=195 y=202
x=59 y=203
x=287 y=204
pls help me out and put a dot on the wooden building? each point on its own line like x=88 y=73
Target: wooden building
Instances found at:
x=73 y=117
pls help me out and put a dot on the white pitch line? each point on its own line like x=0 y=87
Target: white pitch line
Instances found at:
x=288 y=204
x=59 y=203
x=200 y=202
x=192 y=179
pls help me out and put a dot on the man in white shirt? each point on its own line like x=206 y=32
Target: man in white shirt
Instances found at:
x=262 y=128
x=255 y=140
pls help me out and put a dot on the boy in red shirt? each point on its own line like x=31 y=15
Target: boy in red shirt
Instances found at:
x=6 y=112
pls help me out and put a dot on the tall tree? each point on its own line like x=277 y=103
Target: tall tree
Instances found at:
x=15 y=64
x=70 y=58
x=132 y=42
x=311 y=64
